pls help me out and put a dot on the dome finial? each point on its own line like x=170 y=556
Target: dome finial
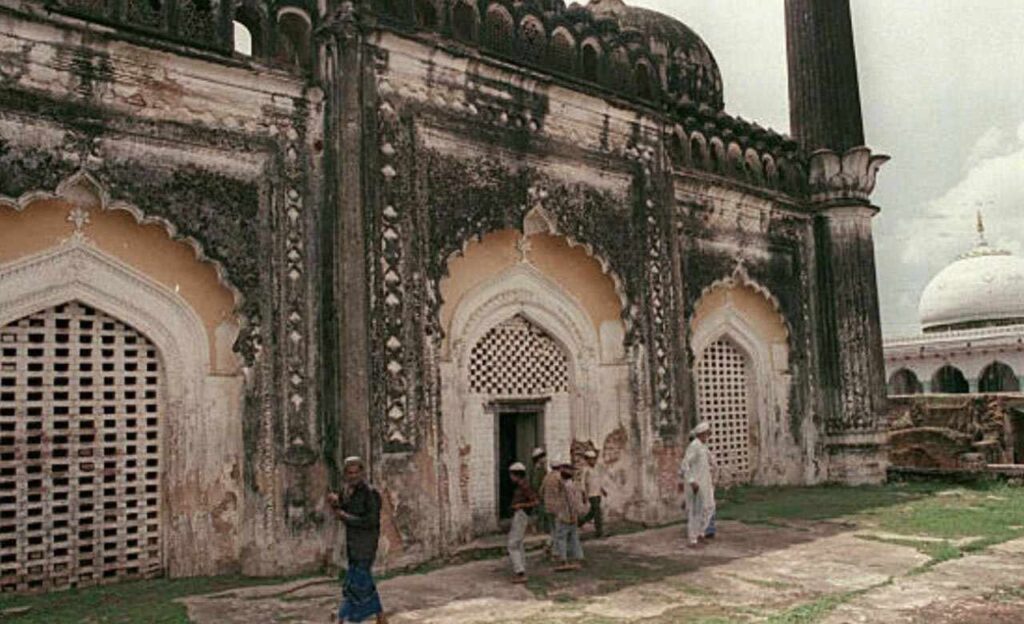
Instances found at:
x=981 y=229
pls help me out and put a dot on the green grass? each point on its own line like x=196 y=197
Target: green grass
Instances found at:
x=151 y=601
x=774 y=505
x=985 y=512
x=811 y=611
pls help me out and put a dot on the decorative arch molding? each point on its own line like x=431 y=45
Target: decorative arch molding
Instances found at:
x=727 y=322
x=538 y=220
x=524 y=290
x=194 y=426
x=81 y=189
x=79 y=271
x=738 y=279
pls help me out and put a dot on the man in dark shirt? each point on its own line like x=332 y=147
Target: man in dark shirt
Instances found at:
x=359 y=508
x=524 y=501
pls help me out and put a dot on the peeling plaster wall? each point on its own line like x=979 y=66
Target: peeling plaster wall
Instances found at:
x=206 y=157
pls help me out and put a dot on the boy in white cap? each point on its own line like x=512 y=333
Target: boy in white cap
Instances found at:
x=566 y=503
x=593 y=489
x=700 y=492
x=524 y=500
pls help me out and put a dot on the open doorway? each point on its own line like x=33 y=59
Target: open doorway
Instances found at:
x=520 y=430
x=1017 y=439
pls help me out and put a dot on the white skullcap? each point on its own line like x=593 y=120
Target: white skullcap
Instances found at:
x=354 y=459
x=538 y=452
x=561 y=461
x=701 y=428
x=517 y=467
x=591 y=454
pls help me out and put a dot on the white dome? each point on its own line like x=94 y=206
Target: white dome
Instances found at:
x=985 y=284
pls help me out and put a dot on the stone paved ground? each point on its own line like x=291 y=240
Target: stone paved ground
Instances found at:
x=801 y=572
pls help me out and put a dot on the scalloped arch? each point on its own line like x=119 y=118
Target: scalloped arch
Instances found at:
x=82 y=189
x=606 y=269
x=740 y=278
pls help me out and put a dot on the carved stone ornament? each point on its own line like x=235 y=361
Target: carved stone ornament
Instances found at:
x=847 y=176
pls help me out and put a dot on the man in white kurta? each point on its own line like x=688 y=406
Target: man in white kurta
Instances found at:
x=700 y=491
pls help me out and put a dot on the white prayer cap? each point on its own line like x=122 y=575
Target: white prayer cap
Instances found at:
x=517 y=467
x=538 y=452
x=590 y=454
x=560 y=462
x=701 y=428
x=354 y=459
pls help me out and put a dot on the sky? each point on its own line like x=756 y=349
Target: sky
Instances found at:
x=942 y=90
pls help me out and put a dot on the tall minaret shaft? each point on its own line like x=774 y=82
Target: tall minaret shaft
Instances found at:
x=824 y=96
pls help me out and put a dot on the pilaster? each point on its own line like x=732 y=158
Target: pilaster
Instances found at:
x=345 y=292
x=850 y=338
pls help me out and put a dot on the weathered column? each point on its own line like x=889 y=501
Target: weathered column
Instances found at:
x=826 y=121
x=345 y=298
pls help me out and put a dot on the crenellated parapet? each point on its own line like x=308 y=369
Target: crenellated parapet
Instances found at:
x=280 y=31
x=735 y=148
x=630 y=51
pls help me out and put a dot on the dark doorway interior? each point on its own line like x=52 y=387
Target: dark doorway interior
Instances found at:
x=1017 y=421
x=520 y=430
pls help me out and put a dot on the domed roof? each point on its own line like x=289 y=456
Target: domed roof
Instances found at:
x=983 y=286
x=691 y=73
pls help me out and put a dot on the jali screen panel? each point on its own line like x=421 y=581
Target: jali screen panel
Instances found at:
x=79 y=451
x=723 y=400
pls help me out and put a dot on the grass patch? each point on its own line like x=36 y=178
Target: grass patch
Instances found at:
x=989 y=512
x=817 y=609
x=937 y=551
x=125 y=603
x=761 y=505
x=811 y=611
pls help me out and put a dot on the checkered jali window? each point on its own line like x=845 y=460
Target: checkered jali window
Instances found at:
x=723 y=400
x=518 y=358
x=79 y=451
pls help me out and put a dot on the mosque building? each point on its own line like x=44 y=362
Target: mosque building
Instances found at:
x=241 y=240
x=972 y=319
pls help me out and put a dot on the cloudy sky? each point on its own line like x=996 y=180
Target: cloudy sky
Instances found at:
x=942 y=86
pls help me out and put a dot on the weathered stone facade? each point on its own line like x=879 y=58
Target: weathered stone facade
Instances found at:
x=956 y=432
x=381 y=187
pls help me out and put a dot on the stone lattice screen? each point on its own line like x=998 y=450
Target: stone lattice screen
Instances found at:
x=723 y=399
x=79 y=451
x=516 y=358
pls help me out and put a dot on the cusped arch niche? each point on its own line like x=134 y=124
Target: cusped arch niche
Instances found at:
x=569 y=267
x=740 y=346
x=81 y=210
x=537 y=279
x=64 y=251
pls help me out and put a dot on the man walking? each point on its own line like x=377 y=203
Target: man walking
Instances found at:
x=537 y=474
x=524 y=501
x=593 y=488
x=359 y=508
x=700 y=492
x=564 y=500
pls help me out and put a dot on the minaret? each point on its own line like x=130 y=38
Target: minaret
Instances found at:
x=826 y=121
x=824 y=97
